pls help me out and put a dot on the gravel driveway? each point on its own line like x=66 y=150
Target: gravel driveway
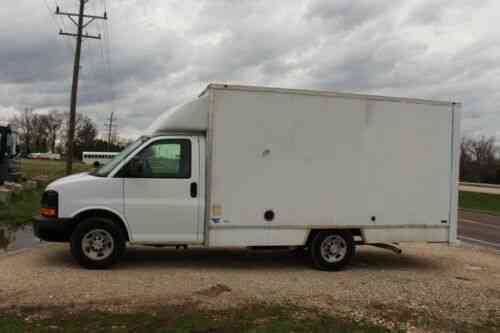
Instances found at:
x=461 y=283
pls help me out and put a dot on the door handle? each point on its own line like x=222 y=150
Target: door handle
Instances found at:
x=194 y=190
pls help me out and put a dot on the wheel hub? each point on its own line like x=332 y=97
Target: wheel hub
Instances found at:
x=97 y=244
x=333 y=248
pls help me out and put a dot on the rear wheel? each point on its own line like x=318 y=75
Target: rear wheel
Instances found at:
x=97 y=243
x=332 y=250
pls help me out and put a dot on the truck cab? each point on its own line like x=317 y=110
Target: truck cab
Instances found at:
x=159 y=177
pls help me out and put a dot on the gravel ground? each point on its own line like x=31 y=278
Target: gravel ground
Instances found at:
x=456 y=283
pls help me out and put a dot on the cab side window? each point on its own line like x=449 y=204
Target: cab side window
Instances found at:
x=163 y=159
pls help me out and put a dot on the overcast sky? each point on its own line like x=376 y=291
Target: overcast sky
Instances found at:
x=165 y=52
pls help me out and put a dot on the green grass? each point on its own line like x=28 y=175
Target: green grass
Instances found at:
x=484 y=202
x=21 y=209
x=258 y=317
x=52 y=169
x=26 y=204
x=183 y=319
x=428 y=321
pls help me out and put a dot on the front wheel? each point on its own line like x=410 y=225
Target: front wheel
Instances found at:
x=332 y=250
x=97 y=243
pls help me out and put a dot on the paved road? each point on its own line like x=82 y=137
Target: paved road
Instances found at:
x=479 y=189
x=479 y=228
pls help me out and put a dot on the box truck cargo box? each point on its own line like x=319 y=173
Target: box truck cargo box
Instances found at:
x=265 y=167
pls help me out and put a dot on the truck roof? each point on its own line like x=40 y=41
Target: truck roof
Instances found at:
x=222 y=86
x=193 y=115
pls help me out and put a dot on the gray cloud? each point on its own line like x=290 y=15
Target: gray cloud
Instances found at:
x=346 y=14
x=165 y=52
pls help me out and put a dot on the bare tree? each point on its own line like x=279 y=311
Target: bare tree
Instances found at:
x=63 y=132
x=24 y=125
x=86 y=132
x=85 y=135
x=478 y=159
x=55 y=121
x=39 y=136
x=47 y=132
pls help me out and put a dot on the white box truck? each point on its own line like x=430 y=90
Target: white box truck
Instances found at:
x=244 y=166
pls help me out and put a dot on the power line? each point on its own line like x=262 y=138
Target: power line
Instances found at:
x=108 y=64
x=63 y=23
x=103 y=63
x=105 y=59
x=58 y=25
x=83 y=20
x=107 y=55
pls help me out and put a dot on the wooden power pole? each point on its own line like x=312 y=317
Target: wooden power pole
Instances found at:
x=80 y=24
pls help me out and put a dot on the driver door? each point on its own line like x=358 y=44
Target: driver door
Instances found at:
x=161 y=196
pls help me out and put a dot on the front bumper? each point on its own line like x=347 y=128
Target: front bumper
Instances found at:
x=52 y=229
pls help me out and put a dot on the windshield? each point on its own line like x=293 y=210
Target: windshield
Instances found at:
x=104 y=170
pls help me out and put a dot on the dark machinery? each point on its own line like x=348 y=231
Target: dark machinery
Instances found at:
x=8 y=140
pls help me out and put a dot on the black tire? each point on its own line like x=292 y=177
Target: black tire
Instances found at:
x=102 y=228
x=333 y=260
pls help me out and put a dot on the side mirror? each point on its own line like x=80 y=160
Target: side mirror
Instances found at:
x=136 y=168
x=97 y=164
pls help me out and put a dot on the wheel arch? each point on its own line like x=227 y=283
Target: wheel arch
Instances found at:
x=313 y=232
x=102 y=212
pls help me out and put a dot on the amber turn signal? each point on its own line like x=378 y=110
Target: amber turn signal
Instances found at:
x=48 y=212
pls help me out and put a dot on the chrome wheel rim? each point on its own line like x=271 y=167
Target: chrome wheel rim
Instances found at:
x=98 y=244
x=333 y=248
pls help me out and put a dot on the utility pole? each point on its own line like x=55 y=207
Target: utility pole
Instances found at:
x=110 y=127
x=80 y=24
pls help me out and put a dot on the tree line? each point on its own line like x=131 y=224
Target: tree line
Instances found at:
x=47 y=132
x=479 y=160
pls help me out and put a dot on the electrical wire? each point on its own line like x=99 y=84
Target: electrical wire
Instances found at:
x=107 y=49
x=58 y=26
x=105 y=53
